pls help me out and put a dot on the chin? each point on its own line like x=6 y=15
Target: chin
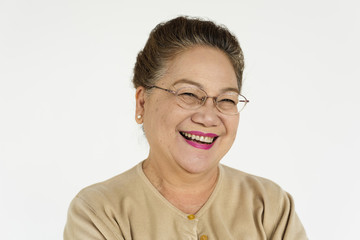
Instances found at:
x=197 y=165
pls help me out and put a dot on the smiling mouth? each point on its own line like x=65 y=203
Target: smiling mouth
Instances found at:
x=198 y=138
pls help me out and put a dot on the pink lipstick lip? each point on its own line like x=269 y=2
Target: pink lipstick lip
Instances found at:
x=199 y=145
x=203 y=134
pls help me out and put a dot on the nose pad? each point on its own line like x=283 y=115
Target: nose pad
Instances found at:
x=211 y=104
x=215 y=103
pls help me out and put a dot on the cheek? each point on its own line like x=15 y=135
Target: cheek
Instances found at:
x=163 y=123
x=232 y=126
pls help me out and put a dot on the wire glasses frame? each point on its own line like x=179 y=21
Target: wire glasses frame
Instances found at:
x=193 y=98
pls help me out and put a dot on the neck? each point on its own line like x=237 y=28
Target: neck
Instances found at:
x=186 y=191
x=178 y=178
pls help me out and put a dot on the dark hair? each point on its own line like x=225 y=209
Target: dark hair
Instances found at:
x=170 y=38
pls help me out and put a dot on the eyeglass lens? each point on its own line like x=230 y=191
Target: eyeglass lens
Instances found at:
x=227 y=103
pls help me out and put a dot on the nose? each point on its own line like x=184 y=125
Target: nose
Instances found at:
x=207 y=115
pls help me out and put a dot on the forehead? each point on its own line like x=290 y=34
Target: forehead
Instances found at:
x=205 y=67
x=187 y=82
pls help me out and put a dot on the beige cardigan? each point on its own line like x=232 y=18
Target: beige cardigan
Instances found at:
x=128 y=206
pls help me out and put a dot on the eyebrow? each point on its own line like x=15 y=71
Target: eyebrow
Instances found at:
x=188 y=81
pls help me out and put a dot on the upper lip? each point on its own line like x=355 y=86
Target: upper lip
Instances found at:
x=198 y=133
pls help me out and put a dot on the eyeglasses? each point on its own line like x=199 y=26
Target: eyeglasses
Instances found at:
x=229 y=103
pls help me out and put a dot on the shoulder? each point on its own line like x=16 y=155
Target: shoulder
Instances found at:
x=260 y=187
x=261 y=196
x=111 y=190
x=95 y=211
x=265 y=199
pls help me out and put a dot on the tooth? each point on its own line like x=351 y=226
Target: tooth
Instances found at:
x=198 y=138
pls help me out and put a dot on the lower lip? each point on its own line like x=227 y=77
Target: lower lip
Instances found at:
x=199 y=145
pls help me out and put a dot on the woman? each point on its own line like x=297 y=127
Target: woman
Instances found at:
x=188 y=82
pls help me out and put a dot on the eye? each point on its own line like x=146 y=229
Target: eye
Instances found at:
x=188 y=94
x=227 y=101
x=189 y=98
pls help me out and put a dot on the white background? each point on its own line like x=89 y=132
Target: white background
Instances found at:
x=67 y=103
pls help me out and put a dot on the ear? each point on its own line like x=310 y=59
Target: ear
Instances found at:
x=140 y=104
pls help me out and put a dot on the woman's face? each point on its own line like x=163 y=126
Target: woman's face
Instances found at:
x=165 y=122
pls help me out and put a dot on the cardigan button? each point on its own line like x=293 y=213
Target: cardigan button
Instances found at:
x=191 y=217
x=204 y=237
